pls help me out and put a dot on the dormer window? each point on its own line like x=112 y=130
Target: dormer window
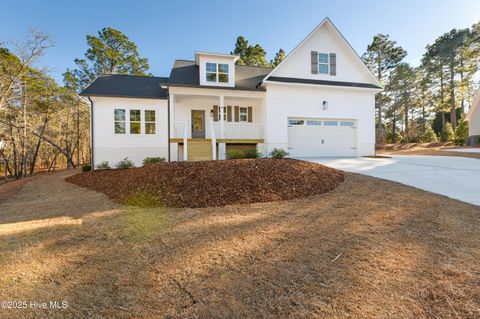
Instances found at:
x=217 y=72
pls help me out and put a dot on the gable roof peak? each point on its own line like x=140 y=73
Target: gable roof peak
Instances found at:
x=328 y=21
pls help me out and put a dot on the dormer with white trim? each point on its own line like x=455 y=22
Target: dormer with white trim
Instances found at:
x=216 y=69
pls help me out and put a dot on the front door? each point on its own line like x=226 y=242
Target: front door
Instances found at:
x=198 y=124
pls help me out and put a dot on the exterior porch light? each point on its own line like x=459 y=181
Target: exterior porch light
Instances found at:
x=211 y=113
x=325 y=105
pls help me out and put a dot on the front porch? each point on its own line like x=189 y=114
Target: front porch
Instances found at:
x=203 y=123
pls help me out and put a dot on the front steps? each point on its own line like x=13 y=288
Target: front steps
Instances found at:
x=199 y=150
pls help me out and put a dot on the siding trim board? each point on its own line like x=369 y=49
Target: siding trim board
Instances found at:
x=322 y=82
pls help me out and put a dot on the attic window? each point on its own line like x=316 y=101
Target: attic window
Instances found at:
x=217 y=73
x=323 y=63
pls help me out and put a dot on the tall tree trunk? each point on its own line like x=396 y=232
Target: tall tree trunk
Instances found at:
x=442 y=98
x=453 y=113
x=24 y=143
x=37 y=147
x=379 y=106
x=394 y=126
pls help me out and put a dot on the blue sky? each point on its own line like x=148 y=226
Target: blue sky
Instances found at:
x=165 y=30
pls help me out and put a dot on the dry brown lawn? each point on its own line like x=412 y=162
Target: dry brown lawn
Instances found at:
x=368 y=249
x=434 y=149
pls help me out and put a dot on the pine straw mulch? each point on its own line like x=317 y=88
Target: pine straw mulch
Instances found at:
x=214 y=183
x=370 y=248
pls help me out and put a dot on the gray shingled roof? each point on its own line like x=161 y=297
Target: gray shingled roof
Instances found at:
x=322 y=82
x=127 y=86
x=186 y=73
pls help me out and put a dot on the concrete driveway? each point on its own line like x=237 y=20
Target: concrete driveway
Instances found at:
x=455 y=177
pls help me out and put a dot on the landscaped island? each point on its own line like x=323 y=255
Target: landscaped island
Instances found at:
x=212 y=183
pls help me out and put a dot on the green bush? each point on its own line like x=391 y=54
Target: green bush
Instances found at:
x=461 y=134
x=252 y=154
x=104 y=165
x=429 y=136
x=389 y=137
x=447 y=133
x=235 y=154
x=143 y=198
x=86 y=168
x=153 y=160
x=278 y=153
x=125 y=163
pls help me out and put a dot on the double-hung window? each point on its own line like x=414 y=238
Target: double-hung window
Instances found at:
x=119 y=119
x=323 y=63
x=149 y=121
x=135 y=120
x=243 y=114
x=217 y=73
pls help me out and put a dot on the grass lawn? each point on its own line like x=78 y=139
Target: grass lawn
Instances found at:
x=368 y=249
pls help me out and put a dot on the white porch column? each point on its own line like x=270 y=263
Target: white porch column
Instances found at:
x=171 y=106
x=222 y=112
x=221 y=146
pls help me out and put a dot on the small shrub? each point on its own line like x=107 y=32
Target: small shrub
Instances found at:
x=235 y=154
x=461 y=133
x=104 y=165
x=429 y=136
x=447 y=133
x=252 y=153
x=278 y=153
x=86 y=168
x=143 y=198
x=153 y=160
x=125 y=163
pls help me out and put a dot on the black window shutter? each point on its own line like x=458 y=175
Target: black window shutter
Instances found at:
x=250 y=114
x=333 y=64
x=229 y=113
x=237 y=114
x=215 y=113
x=314 y=59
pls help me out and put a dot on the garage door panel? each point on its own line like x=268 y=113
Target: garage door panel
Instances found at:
x=321 y=140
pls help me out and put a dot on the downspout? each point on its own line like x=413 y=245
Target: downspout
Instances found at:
x=91 y=134
x=168 y=125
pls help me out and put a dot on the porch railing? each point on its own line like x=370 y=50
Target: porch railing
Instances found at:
x=240 y=130
x=231 y=130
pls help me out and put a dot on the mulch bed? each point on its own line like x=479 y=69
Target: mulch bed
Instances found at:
x=215 y=183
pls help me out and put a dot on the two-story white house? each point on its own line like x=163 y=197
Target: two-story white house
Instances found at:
x=320 y=101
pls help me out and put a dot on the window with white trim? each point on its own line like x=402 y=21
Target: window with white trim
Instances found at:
x=347 y=123
x=135 y=121
x=243 y=114
x=296 y=122
x=314 y=122
x=330 y=123
x=323 y=63
x=150 y=122
x=119 y=120
x=216 y=73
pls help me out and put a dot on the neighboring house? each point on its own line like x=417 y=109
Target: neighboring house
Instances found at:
x=320 y=101
x=473 y=118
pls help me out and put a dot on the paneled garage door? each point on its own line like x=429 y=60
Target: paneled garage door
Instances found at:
x=321 y=137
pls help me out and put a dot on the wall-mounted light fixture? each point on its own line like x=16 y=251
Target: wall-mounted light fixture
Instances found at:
x=211 y=113
x=325 y=105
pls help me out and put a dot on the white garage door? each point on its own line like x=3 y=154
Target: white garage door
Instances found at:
x=321 y=137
